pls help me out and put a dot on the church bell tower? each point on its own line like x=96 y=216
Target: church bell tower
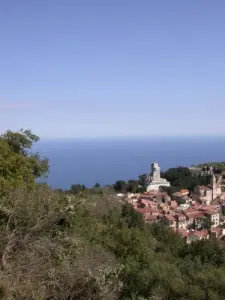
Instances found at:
x=214 y=186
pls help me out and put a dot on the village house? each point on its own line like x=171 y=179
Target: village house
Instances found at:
x=215 y=233
x=154 y=205
x=203 y=194
x=222 y=220
x=152 y=219
x=181 y=221
x=182 y=196
x=172 y=204
x=145 y=211
x=171 y=220
x=195 y=219
x=199 y=220
x=190 y=215
x=197 y=235
x=143 y=203
x=183 y=207
x=146 y=196
x=213 y=217
x=206 y=194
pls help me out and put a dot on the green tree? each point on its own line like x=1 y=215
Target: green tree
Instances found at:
x=77 y=188
x=18 y=165
x=142 y=179
x=121 y=186
x=206 y=223
x=133 y=186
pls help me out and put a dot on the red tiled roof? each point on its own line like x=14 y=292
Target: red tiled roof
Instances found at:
x=199 y=233
x=211 y=212
x=190 y=211
x=184 y=191
x=145 y=210
x=206 y=207
x=151 y=218
x=145 y=202
x=155 y=211
x=177 y=194
x=170 y=217
x=216 y=229
x=197 y=215
x=180 y=216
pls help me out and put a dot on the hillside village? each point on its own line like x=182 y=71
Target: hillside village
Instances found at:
x=195 y=215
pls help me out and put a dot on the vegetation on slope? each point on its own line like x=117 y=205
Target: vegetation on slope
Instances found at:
x=180 y=177
x=218 y=167
x=55 y=245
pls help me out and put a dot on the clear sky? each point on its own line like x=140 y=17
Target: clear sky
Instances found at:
x=71 y=68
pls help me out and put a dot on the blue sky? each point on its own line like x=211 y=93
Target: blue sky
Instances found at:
x=112 y=68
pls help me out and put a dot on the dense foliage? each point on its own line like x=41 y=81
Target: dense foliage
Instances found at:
x=55 y=245
x=18 y=165
x=182 y=177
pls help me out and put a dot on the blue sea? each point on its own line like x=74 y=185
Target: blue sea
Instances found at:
x=105 y=160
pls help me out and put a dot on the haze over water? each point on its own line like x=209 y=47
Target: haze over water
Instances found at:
x=87 y=161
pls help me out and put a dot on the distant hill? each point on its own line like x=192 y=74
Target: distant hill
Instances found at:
x=217 y=165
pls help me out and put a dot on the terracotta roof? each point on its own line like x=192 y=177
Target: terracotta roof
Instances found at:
x=190 y=215
x=180 y=216
x=184 y=191
x=211 y=212
x=197 y=215
x=151 y=218
x=145 y=202
x=206 y=207
x=216 y=229
x=170 y=217
x=145 y=210
x=199 y=233
x=190 y=210
x=177 y=194
x=155 y=211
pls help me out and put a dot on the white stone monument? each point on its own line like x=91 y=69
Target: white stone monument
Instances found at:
x=155 y=181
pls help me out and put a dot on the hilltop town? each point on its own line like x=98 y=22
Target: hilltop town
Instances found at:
x=91 y=244
x=196 y=215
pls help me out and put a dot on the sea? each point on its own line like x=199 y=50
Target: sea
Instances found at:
x=105 y=160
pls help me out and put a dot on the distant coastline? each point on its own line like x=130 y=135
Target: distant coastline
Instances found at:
x=87 y=161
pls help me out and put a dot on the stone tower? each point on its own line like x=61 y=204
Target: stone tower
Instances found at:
x=214 y=186
x=155 y=171
x=155 y=181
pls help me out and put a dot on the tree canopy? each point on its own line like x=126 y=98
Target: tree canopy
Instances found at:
x=18 y=164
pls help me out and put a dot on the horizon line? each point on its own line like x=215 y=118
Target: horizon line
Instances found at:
x=134 y=137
